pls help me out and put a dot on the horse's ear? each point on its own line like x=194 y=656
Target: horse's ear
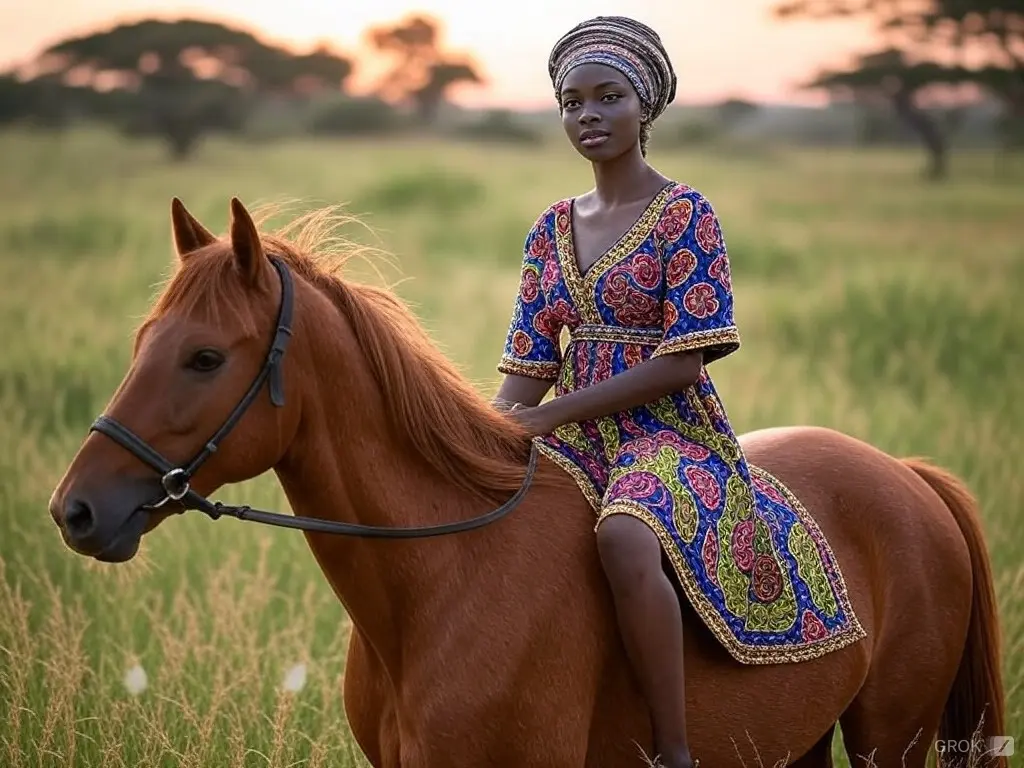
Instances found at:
x=189 y=234
x=245 y=242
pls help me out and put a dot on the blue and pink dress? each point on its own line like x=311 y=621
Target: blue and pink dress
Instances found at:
x=748 y=556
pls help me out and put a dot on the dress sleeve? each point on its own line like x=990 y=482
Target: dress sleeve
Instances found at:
x=532 y=345
x=698 y=303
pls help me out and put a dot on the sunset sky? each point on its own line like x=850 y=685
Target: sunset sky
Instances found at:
x=720 y=48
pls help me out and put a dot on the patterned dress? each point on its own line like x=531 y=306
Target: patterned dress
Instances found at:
x=747 y=555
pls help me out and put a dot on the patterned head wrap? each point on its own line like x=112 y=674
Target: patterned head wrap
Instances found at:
x=629 y=46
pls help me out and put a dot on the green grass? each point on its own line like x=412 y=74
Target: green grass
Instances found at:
x=868 y=301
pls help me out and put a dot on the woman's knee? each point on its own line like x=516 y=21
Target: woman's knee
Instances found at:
x=629 y=549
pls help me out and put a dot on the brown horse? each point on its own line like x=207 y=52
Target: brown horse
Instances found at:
x=498 y=646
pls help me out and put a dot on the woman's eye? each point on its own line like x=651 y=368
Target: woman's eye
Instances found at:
x=205 y=360
x=611 y=96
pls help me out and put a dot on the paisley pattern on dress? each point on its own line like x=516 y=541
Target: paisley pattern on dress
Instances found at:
x=749 y=557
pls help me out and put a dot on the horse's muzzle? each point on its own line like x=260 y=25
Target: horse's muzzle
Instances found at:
x=98 y=530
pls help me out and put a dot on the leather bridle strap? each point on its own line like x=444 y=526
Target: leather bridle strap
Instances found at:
x=176 y=480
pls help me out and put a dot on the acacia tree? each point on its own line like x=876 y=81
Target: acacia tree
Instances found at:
x=186 y=78
x=423 y=73
x=929 y=43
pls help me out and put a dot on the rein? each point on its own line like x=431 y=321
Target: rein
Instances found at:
x=176 y=480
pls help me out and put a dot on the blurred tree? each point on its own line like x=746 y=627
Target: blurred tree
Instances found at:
x=352 y=116
x=500 y=126
x=732 y=111
x=889 y=74
x=187 y=78
x=423 y=74
x=931 y=43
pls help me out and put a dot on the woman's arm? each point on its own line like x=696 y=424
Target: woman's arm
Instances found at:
x=524 y=390
x=645 y=383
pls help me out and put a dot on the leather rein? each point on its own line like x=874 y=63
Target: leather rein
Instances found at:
x=176 y=480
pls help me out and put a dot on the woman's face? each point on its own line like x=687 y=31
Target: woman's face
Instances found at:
x=600 y=112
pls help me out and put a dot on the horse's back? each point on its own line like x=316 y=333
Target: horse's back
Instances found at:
x=811 y=460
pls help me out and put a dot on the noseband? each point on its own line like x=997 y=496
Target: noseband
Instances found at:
x=176 y=480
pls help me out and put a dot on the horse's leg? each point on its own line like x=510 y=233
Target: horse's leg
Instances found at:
x=368 y=706
x=819 y=756
x=894 y=719
x=875 y=738
x=501 y=691
x=478 y=720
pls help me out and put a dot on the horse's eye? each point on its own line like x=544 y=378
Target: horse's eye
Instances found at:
x=205 y=360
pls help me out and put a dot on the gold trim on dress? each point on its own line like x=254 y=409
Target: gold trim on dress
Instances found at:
x=581 y=287
x=615 y=334
x=585 y=485
x=728 y=336
x=535 y=369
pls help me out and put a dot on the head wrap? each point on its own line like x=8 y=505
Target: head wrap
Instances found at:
x=629 y=46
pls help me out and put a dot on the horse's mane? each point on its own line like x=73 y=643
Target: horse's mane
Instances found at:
x=429 y=402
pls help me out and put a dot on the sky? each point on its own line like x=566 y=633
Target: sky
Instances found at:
x=720 y=48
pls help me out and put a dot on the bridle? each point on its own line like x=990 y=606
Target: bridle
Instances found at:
x=176 y=480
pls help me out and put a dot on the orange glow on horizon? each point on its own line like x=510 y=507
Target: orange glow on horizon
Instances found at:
x=732 y=48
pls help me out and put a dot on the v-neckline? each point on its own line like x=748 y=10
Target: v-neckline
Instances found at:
x=581 y=285
x=616 y=246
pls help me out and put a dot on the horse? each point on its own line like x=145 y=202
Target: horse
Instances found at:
x=497 y=644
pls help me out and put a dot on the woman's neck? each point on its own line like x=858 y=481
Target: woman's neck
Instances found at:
x=626 y=179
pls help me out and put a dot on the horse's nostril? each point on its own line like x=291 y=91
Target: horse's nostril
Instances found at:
x=79 y=519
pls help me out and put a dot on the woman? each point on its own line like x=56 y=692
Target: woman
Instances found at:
x=637 y=270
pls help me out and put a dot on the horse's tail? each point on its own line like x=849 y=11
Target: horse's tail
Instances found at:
x=975 y=709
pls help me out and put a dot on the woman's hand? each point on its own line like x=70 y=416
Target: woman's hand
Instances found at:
x=531 y=418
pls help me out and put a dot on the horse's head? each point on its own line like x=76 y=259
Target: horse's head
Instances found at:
x=205 y=342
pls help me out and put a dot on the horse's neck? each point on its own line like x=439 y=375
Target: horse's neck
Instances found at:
x=347 y=464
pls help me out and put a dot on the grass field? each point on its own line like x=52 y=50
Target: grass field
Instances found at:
x=868 y=301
